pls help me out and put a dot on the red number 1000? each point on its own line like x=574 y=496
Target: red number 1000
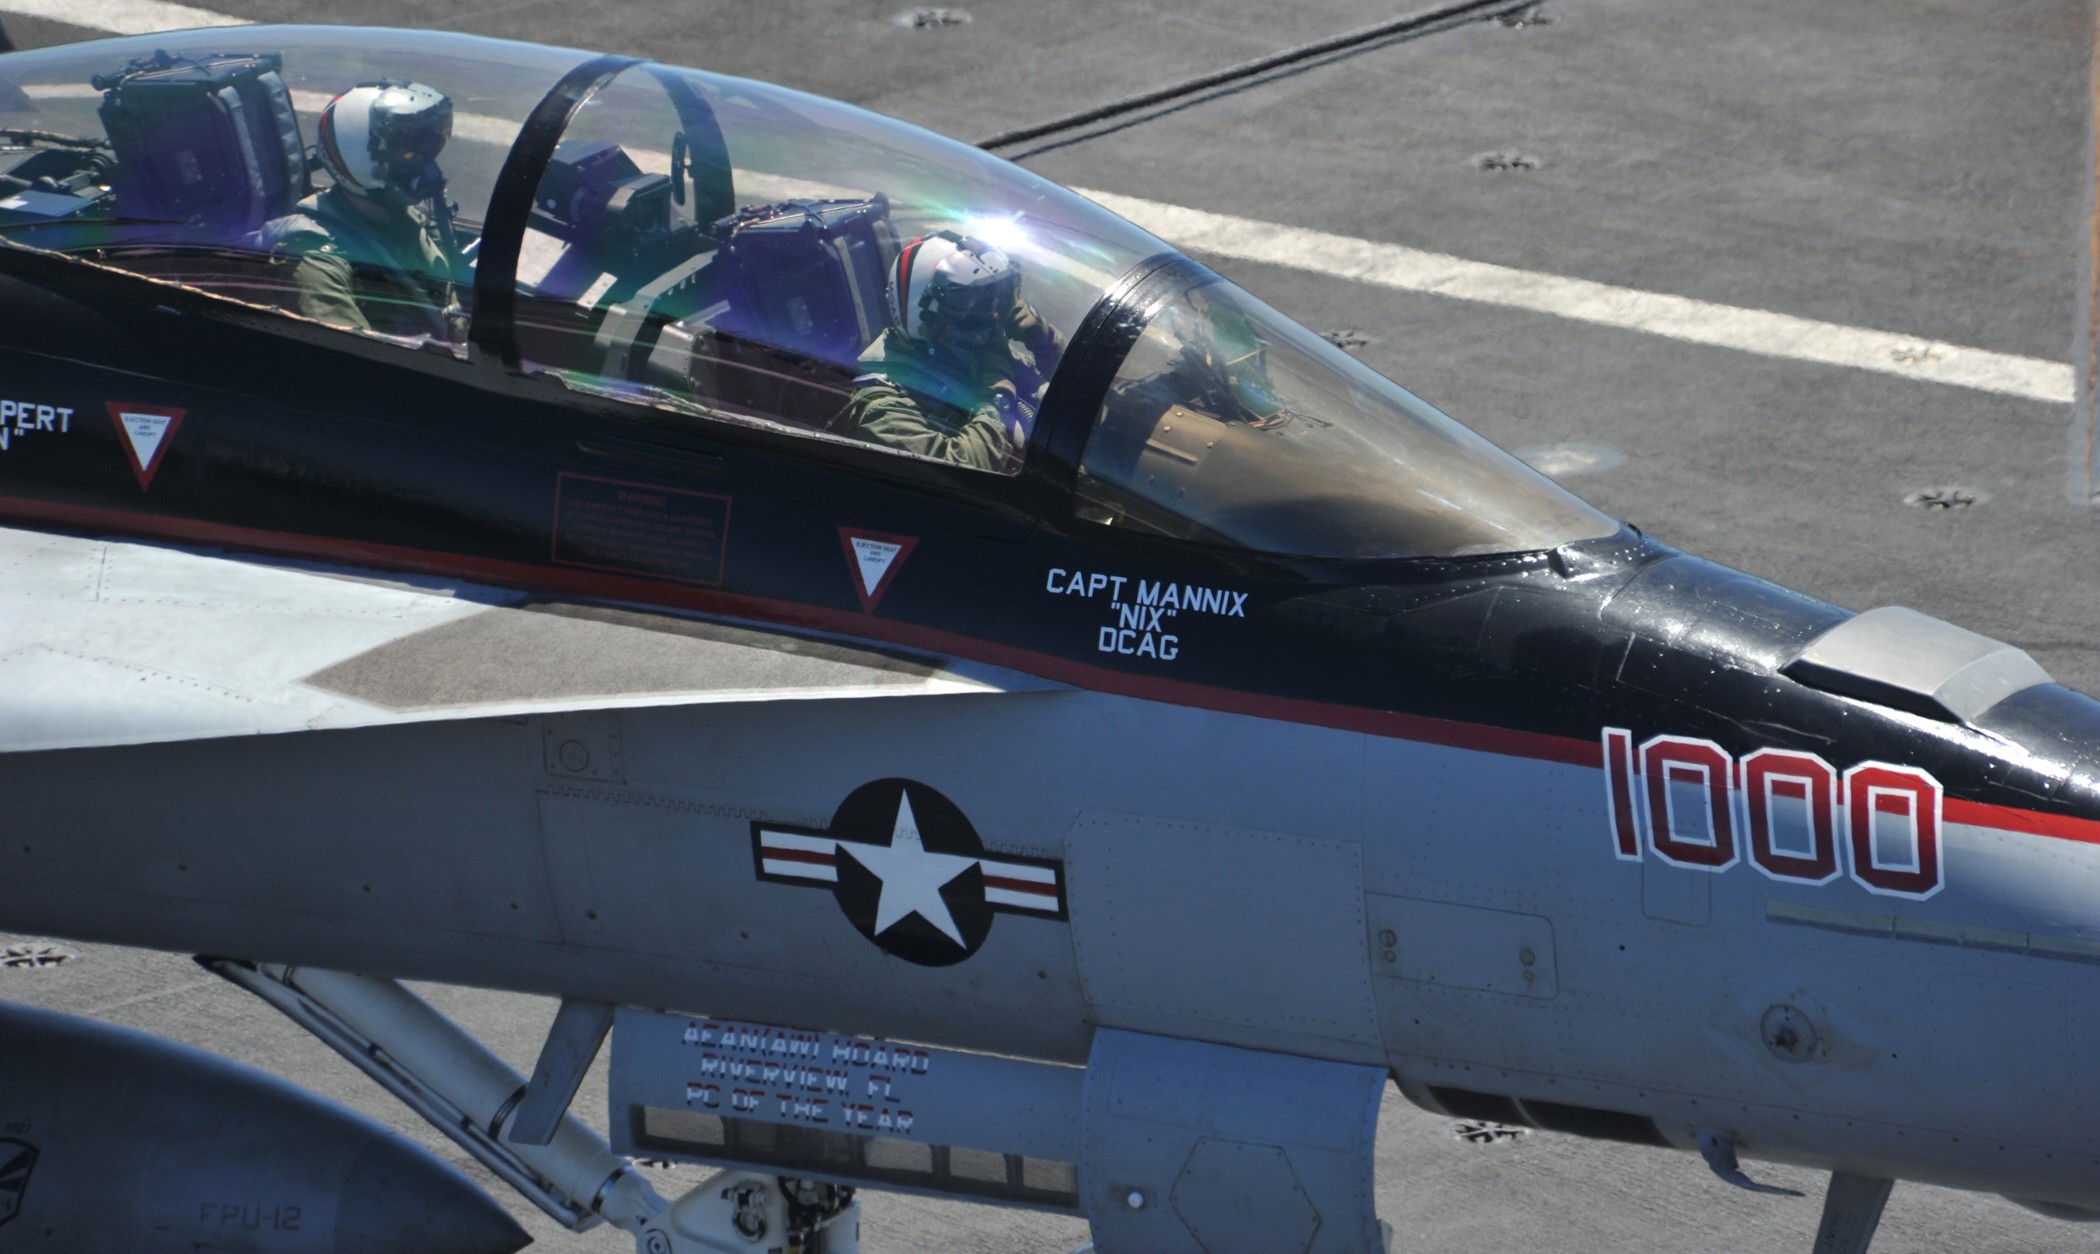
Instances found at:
x=1692 y=804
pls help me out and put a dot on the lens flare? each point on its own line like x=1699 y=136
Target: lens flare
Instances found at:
x=1001 y=231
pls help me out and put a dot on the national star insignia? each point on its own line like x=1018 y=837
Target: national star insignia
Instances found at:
x=912 y=876
x=910 y=872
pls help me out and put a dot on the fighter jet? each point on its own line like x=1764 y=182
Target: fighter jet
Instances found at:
x=967 y=699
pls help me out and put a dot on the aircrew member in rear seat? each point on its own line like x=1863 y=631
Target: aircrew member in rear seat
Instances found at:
x=961 y=371
x=377 y=251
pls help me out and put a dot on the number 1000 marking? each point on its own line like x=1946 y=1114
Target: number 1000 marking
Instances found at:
x=1692 y=804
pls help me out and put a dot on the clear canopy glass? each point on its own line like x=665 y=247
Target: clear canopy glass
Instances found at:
x=732 y=247
x=714 y=250
x=188 y=156
x=1231 y=425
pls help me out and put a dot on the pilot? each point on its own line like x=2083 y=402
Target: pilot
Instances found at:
x=377 y=250
x=961 y=370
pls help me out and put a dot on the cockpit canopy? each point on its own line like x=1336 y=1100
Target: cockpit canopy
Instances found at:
x=1230 y=425
x=723 y=254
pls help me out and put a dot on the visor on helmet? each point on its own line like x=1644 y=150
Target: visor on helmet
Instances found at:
x=952 y=292
x=385 y=138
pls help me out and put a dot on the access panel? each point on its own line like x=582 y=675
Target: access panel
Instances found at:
x=1194 y=1148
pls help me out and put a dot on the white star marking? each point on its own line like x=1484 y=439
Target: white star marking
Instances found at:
x=912 y=878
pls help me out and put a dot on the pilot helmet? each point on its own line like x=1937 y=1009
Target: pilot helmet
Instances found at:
x=952 y=294
x=381 y=140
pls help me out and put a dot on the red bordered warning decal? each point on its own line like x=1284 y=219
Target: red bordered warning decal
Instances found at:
x=640 y=528
x=873 y=560
x=144 y=432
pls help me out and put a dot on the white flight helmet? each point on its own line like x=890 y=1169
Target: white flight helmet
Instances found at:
x=952 y=293
x=381 y=140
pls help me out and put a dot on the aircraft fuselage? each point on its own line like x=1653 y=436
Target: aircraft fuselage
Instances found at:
x=1486 y=822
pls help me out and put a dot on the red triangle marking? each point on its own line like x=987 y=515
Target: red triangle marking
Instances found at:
x=151 y=427
x=872 y=561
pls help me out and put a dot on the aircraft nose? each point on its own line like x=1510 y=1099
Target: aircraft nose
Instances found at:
x=2039 y=753
x=2051 y=739
x=393 y=1200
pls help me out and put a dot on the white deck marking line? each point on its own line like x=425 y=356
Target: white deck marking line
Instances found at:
x=1409 y=269
x=122 y=17
x=1655 y=313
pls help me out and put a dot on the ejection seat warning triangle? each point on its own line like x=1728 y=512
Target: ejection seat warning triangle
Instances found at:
x=874 y=559
x=145 y=431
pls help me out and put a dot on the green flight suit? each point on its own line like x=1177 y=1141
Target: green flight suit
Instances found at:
x=911 y=401
x=393 y=276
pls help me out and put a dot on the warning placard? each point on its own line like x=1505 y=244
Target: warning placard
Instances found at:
x=639 y=529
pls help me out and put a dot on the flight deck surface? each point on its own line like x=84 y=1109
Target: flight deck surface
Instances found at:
x=1880 y=166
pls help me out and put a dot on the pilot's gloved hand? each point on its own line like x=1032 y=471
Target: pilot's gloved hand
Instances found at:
x=1021 y=317
x=1013 y=414
x=1024 y=324
x=1005 y=401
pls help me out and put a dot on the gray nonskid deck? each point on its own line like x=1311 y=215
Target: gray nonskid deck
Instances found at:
x=1880 y=164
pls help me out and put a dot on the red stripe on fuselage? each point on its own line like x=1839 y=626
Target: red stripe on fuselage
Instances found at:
x=528 y=577
x=1450 y=733
x=2026 y=822
x=1030 y=887
x=774 y=853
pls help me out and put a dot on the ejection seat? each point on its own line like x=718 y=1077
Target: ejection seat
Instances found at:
x=797 y=291
x=202 y=153
x=207 y=147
